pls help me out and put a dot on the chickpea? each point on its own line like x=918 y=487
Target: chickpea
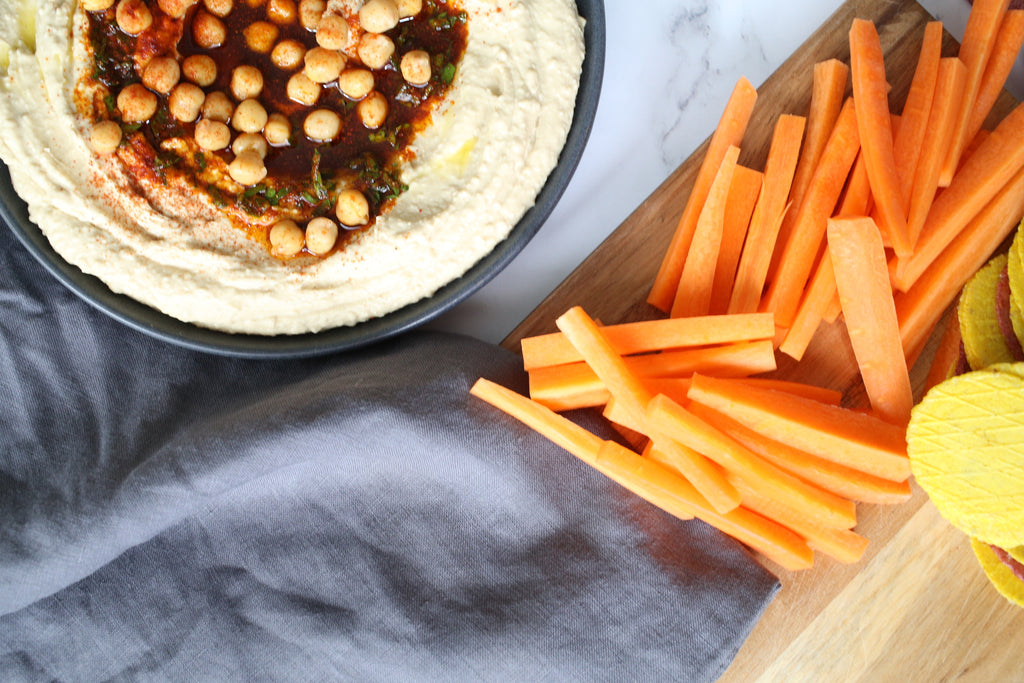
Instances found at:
x=105 y=137
x=218 y=107
x=133 y=16
x=409 y=8
x=288 y=54
x=355 y=84
x=208 y=31
x=212 y=135
x=247 y=168
x=200 y=69
x=332 y=32
x=260 y=36
x=321 y=235
x=310 y=13
x=136 y=103
x=186 y=101
x=219 y=8
x=378 y=16
x=246 y=82
x=175 y=9
x=255 y=3
x=97 y=5
x=286 y=238
x=278 y=129
x=161 y=74
x=303 y=90
x=415 y=67
x=250 y=117
x=375 y=49
x=323 y=65
x=351 y=208
x=250 y=142
x=282 y=11
x=373 y=110
x=322 y=125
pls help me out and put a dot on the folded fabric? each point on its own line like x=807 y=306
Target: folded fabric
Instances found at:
x=167 y=514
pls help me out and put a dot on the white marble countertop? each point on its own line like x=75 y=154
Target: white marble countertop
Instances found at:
x=649 y=120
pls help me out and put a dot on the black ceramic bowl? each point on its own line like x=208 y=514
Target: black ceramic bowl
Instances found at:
x=152 y=322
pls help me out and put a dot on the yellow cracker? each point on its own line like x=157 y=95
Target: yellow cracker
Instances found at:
x=982 y=335
x=1008 y=585
x=966 y=446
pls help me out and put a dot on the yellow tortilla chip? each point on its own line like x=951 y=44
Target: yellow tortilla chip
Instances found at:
x=1008 y=585
x=983 y=338
x=966 y=446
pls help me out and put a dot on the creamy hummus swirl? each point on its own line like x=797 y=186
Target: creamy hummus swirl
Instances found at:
x=476 y=169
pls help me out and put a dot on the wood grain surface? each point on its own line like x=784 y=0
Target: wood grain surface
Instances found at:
x=917 y=606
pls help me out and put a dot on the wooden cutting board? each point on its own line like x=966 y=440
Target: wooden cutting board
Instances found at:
x=917 y=606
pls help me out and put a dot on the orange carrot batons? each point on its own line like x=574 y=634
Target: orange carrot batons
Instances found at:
x=831 y=476
x=871 y=93
x=862 y=279
x=693 y=295
x=799 y=252
x=728 y=133
x=556 y=428
x=828 y=92
x=653 y=335
x=769 y=212
x=920 y=308
x=632 y=397
x=776 y=542
x=982 y=175
x=854 y=439
x=975 y=48
x=743 y=195
x=911 y=136
x=948 y=91
x=1004 y=54
x=684 y=427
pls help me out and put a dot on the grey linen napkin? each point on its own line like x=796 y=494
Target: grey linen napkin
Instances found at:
x=171 y=515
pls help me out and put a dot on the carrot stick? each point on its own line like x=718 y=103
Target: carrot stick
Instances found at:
x=871 y=93
x=946 y=354
x=997 y=70
x=920 y=308
x=857 y=440
x=831 y=476
x=843 y=545
x=771 y=539
x=810 y=391
x=856 y=199
x=820 y=294
x=980 y=178
x=979 y=39
x=556 y=428
x=769 y=212
x=653 y=335
x=948 y=87
x=797 y=260
x=828 y=90
x=576 y=385
x=728 y=133
x=917 y=109
x=862 y=279
x=743 y=195
x=693 y=296
x=632 y=397
x=684 y=427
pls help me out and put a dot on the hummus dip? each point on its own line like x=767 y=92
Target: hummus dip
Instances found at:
x=466 y=172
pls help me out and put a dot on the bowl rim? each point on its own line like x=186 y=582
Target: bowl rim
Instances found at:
x=154 y=323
